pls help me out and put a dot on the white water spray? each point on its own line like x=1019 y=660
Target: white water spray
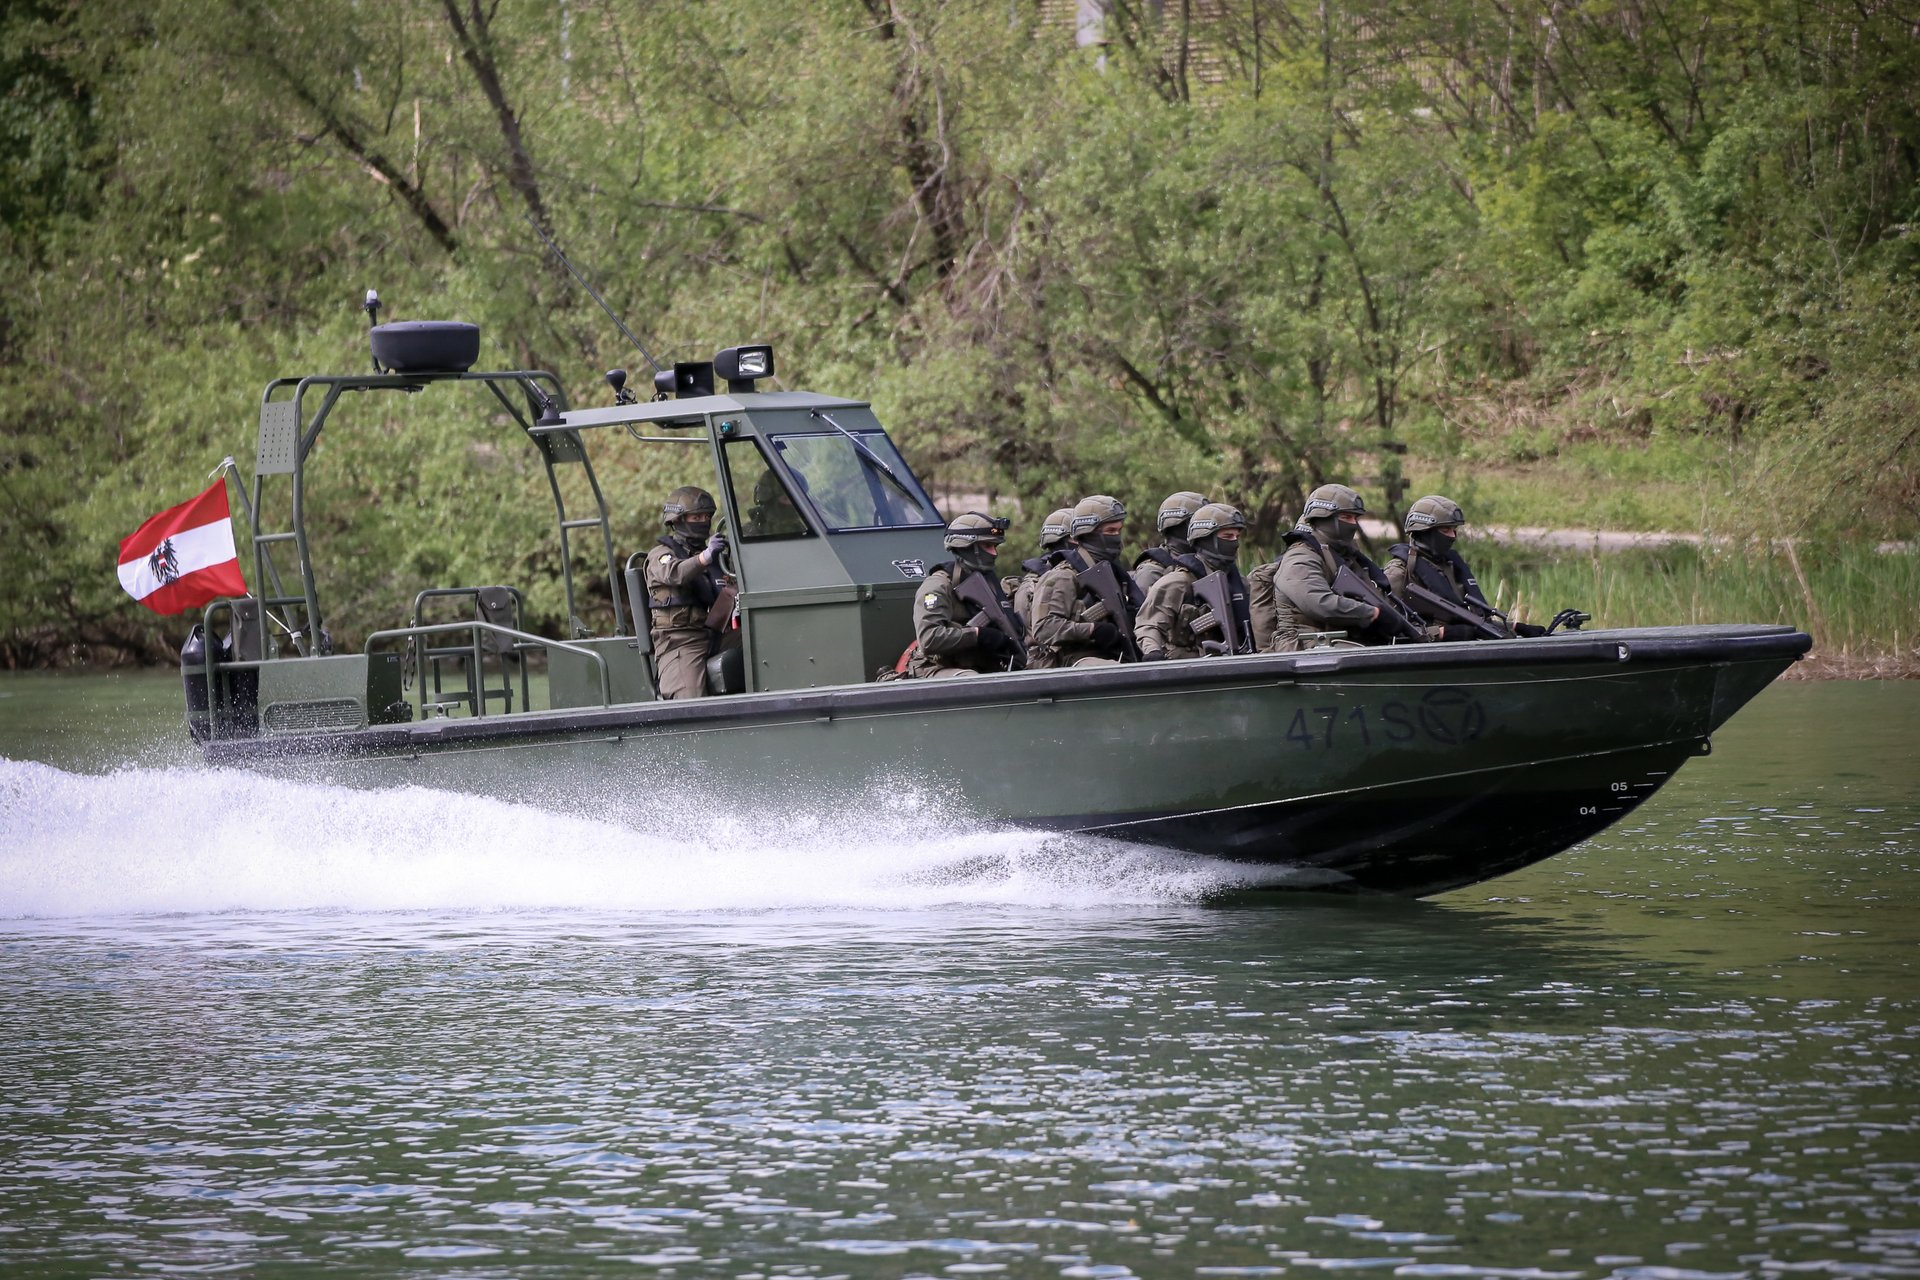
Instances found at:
x=146 y=840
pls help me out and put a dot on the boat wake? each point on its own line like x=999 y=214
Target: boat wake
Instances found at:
x=187 y=839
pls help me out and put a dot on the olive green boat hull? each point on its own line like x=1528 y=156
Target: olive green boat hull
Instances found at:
x=1409 y=770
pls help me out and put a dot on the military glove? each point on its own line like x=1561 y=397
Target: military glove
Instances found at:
x=994 y=640
x=715 y=545
x=1527 y=630
x=1460 y=631
x=1105 y=636
x=1154 y=655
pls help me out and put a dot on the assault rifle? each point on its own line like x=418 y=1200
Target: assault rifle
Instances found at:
x=1441 y=609
x=1393 y=619
x=1104 y=584
x=992 y=612
x=1216 y=593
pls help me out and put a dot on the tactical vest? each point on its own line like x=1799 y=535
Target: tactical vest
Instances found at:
x=1420 y=565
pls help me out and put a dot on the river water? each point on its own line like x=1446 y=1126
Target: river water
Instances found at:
x=272 y=1028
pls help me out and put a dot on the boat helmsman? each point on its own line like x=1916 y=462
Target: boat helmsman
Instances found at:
x=684 y=582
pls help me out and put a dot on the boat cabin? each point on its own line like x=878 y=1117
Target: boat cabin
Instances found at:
x=829 y=532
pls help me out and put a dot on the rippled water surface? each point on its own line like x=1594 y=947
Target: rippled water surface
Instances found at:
x=285 y=1029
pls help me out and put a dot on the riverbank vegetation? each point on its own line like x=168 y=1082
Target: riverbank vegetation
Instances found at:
x=1650 y=264
x=1855 y=601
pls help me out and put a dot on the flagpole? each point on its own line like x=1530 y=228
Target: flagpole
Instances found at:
x=227 y=468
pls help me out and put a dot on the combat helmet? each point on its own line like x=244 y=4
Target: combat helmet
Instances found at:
x=687 y=500
x=1212 y=518
x=975 y=539
x=1434 y=512
x=1056 y=529
x=1205 y=528
x=1331 y=500
x=970 y=530
x=1178 y=509
x=1095 y=510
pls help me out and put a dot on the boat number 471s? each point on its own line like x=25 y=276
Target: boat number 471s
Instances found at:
x=1445 y=716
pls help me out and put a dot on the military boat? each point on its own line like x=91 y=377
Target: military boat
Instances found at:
x=1406 y=770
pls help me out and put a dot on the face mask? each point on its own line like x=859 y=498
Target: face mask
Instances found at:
x=1344 y=531
x=1216 y=554
x=1434 y=540
x=979 y=556
x=1102 y=546
x=695 y=532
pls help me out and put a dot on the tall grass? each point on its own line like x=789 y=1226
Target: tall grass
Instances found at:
x=1853 y=600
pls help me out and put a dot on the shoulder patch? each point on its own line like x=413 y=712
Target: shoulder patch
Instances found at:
x=930 y=599
x=666 y=557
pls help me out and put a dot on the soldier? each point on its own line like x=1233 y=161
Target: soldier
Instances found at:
x=683 y=583
x=1427 y=560
x=1173 y=516
x=1166 y=625
x=1304 y=595
x=772 y=514
x=944 y=643
x=1053 y=538
x=1084 y=607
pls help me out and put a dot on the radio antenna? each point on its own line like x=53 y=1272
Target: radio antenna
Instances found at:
x=542 y=233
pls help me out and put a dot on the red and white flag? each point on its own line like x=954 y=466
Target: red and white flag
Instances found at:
x=184 y=558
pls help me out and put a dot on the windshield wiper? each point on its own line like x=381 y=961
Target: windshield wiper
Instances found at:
x=872 y=459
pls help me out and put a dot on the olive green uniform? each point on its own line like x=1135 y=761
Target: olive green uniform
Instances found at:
x=1400 y=572
x=1166 y=619
x=1266 y=615
x=1059 y=634
x=679 y=592
x=1154 y=564
x=944 y=645
x=1304 y=598
x=1019 y=591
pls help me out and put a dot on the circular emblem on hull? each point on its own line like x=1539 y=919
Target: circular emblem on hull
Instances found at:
x=1452 y=716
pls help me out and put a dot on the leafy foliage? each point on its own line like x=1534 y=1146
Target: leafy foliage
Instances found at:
x=1238 y=248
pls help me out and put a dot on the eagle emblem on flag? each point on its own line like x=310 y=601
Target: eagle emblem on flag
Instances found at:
x=164 y=562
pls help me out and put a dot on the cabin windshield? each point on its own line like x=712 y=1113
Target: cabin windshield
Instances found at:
x=857 y=480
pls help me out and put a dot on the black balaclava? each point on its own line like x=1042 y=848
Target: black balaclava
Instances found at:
x=1336 y=532
x=980 y=557
x=1101 y=546
x=1216 y=554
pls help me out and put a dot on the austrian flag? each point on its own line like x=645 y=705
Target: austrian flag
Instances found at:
x=184 y=558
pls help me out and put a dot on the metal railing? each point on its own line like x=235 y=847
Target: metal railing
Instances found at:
x=522 y=639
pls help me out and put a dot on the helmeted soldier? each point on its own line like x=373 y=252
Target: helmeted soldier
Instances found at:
x=684 y=581
x=1304 y=594
x=1172 y=520
x=772 y=514
x=1053 y=544
x=1084 y=606
x=1428 y=560
x=954 y=636
x=1175 y=622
